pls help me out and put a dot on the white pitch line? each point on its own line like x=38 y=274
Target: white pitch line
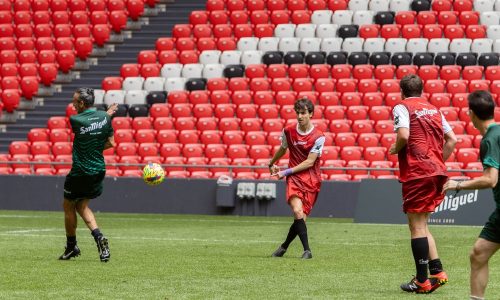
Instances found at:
x=32 y=230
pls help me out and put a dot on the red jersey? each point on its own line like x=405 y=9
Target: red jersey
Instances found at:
x=423 y=154
x=300 y=145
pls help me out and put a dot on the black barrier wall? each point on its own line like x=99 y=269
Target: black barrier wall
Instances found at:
x=174 y=196
x=380 y=201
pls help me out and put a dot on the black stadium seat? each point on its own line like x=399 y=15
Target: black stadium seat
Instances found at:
x=358 y=58
x=272 y=57
x=232 y=71
x=401 y=58
x=156 y=97
x=444 y=59
x=335 y=58
x=315 y=58
x=294 y=57
x=423 y=59
x=196 y=84
x=380 y=58
x=138 y=110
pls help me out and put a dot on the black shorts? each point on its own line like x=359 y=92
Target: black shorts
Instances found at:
x=491 y=230
x=83 y=187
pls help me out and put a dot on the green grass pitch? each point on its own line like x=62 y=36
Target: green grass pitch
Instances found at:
x=220 y=257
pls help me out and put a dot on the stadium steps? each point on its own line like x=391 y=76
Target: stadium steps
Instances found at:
x=143 y=39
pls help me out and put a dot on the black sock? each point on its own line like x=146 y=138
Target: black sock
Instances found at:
x=420 y=249
x=292 y=233
x=96 y=233
x=300 y=226
x=70 y=241
x=435 y=266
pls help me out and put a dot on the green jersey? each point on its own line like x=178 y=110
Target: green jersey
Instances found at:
x=489 y=152
x=92 y=129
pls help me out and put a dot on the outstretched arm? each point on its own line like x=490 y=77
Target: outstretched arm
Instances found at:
x=489 y=179
x=273 y=169
x=401 y=139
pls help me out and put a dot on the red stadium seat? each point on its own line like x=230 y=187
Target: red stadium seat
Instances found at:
x=450 y=113
x=440 y=99
x=29 y=86
x=357 y=164
x=101 y=33
x=135 y=9
x=118 y=20
x=226 y=124
x=166 y=136
x=369 y=31
x=467 y=155
x=145 y=136
x=19 y=147
x=280 y=17
x=338 y=126
x=389 y=31
x=62 y=148
x=381 y=165
x=124 y=136
x=405 y=17
x=10 y=99
x=411 y=31
x=271 y=125
x=83 y=47
x=384 y=126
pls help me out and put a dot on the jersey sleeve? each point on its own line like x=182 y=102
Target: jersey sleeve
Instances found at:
x=318 y=146
x=489 y=155
x=401 y=117
x=284 y=143
x=446 y=126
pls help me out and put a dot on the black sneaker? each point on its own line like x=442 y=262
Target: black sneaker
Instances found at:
x=70 y=252
x=279 y=252
x=307 y=254
x=414 y=286
x=103 y=248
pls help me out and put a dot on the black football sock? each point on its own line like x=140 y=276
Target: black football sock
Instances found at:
x=300 y=226
x=435 y=266
x=420 y=249
x=96 y=233
x=292 y=233
x=70 y=241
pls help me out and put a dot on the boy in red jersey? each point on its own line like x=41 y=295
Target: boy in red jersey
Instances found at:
x=303 y=178
x=424 y=142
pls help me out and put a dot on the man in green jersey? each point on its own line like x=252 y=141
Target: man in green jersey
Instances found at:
x=93 y=134
x=481 y=112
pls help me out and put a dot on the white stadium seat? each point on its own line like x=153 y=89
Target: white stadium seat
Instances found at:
x=399 y=5
x=268 y=44
x=378 y=5
x=483 y=5
x=99 y=96
x=310 y=45
x=327 y=30
x=493 y=32
x=210 y=56
x=175 y=84
x=154 y=84
x=192 y=71
x=417 y=45
x=374 y=45
x=331 y=44
x=438 y=45
x=213 y=71
x=136 y=97
x=232 y=57
x=489 y=18
x=171 y=70
x=289 y=44
x=394 y=45
x=132 y=83
x=342 y=17
x=251 y=58
x=363 y=17
x=114 y=96
x=496 y=46
x=305 y=31
x=352 y=45
x=460 y=45
x=481 y=46
x=248 y=43
x=285 y=30
x=358 y=5
x=321 y=17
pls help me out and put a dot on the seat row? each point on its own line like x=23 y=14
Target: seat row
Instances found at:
x=65 y=5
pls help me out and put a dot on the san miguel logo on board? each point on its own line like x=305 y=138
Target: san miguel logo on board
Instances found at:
x=450 y=204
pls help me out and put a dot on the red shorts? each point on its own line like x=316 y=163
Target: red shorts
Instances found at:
x=423 y=195
x=308 y=198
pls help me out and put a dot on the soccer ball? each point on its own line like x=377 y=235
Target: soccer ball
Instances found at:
x=153 y=174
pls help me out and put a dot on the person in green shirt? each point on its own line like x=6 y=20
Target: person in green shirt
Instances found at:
x=93 y=134
x=481 y=112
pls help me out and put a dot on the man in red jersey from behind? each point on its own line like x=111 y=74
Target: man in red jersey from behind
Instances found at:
x=303 y=177
x=424 y=142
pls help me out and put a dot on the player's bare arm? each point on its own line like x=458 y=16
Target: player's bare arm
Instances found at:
x=450 y=140
x=306 y=164
x=110 y=143
x=112 y=109
x=489 y=179
x=401 y=139
x=273 y=169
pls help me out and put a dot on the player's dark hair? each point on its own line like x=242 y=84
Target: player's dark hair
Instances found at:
x=411 y=86
x=86 y=95
x=482 y=104
x=304 y=104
